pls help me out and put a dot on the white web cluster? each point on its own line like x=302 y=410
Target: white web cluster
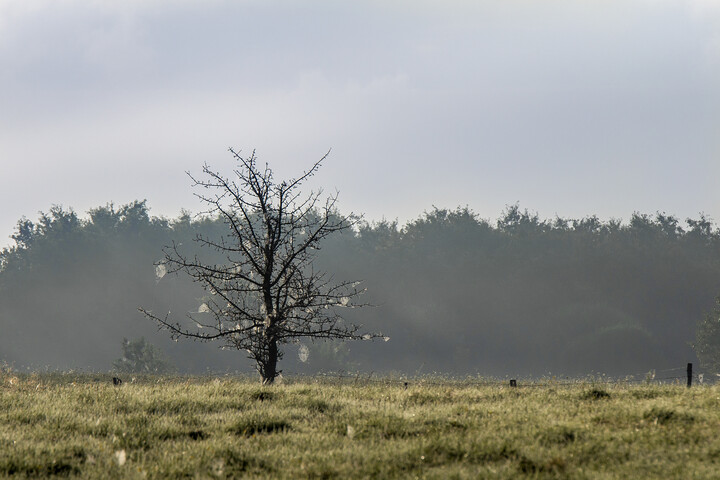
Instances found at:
x=303 y=353
x=160 y=271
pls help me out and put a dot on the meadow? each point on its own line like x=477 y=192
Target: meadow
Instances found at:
x=82 y=426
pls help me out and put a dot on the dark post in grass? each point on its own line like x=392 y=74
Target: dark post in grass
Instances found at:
x=513 y=383
x=689 y=375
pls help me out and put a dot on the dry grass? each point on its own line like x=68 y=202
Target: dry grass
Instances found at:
x=165 y=427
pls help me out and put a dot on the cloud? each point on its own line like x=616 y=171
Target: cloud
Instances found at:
x=480 y=103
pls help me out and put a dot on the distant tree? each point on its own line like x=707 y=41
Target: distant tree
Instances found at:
x=140 y=356
x=521 y=223
x=707 y=339
x=263 y=289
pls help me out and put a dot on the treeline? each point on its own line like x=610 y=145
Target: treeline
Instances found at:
x=455 y=293
x=530 y=295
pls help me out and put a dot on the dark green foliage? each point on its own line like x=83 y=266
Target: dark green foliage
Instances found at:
x=531 y=296
x=139 y=356
x=455 y=293
x=70 y=288
x=707 y=339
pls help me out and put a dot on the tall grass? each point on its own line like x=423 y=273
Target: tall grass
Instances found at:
x=175 y=427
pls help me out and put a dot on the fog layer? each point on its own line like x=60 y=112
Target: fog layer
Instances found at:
x=455 y=294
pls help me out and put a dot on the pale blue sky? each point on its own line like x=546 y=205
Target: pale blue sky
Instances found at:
x=568 y=107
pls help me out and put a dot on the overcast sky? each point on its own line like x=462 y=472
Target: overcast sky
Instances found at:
x=567 y=107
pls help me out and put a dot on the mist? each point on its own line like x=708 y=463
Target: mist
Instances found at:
x=456 y=294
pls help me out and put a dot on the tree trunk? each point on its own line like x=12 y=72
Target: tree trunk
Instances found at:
x=270 y=372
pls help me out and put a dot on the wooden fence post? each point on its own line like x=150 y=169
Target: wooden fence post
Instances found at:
x=689 y=375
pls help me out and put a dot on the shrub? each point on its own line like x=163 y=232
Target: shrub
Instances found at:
x=707 y=339
x=140 y=356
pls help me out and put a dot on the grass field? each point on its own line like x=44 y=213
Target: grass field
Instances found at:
x=164 y=427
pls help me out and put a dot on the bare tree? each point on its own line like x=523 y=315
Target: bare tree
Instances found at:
x=265 y=292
